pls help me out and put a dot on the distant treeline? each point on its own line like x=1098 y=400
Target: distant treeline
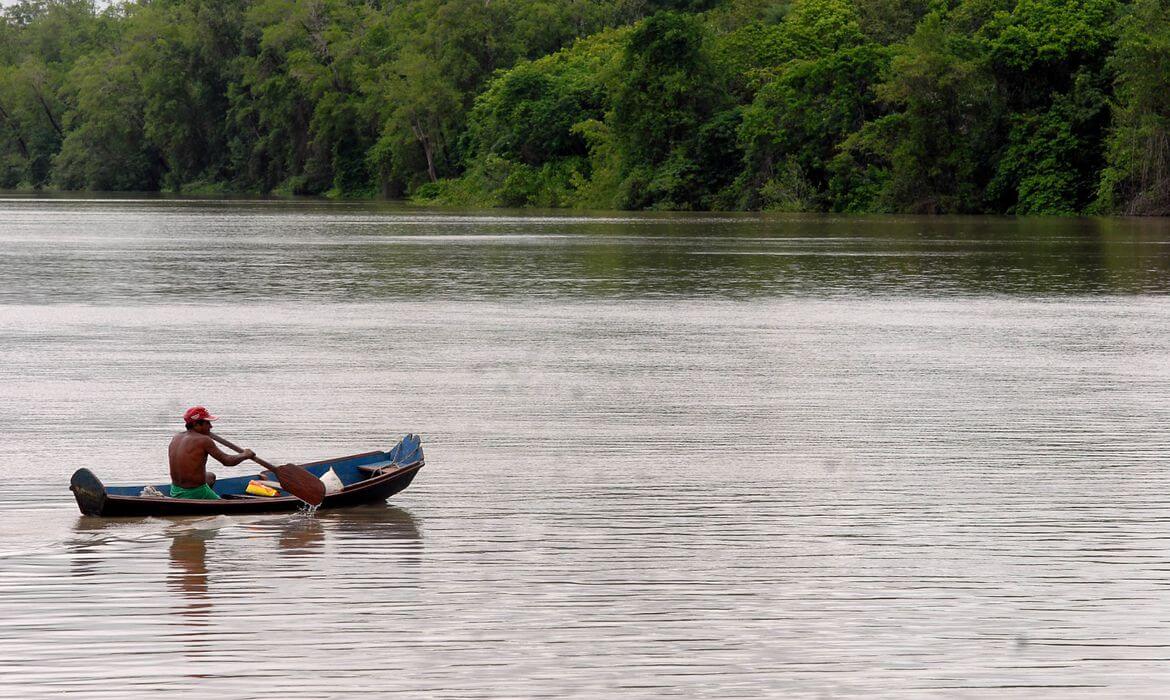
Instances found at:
x=999 y=106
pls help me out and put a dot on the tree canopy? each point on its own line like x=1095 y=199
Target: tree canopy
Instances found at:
x=994 y=106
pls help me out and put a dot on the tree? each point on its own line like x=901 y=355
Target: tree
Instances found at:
x=1036 y=50
x=39 y=41
x=423 y=103
x=1048 y=58
x=1053 y=157
x=795 y=124
x=105 y=147
x=668 y=89
x=936 y=144
x=1137 y=178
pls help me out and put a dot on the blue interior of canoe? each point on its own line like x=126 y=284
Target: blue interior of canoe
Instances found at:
x=406 y=452
x=346 y=469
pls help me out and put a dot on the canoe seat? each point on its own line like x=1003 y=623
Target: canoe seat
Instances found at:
x=376 y=468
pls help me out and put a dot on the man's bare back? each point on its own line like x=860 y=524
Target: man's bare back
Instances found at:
x=188 y=454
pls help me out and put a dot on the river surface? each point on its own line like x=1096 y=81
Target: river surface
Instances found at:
x=723 y=456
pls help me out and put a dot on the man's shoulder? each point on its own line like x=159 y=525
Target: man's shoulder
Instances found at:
x=193 y=438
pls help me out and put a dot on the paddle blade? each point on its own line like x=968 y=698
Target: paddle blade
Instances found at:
x=300 y=483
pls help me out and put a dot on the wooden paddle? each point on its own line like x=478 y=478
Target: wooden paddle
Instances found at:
x=296 y=480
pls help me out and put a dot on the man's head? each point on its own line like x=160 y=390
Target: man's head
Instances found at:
x=198 y=419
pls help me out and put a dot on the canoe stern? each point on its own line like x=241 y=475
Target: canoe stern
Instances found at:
x=89 y=491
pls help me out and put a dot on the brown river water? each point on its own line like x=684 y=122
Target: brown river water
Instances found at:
x=668 y=455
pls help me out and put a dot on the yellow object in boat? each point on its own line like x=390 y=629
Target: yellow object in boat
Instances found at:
x=256 y=488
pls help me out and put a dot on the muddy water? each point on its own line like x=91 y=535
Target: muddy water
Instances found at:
x=667 y=455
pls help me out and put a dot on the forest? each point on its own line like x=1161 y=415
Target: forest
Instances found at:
x=899 y=106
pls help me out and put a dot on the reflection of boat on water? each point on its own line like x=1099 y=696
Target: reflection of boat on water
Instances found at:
x=376 y=520
x=376 y=537
x=201 y=546
x=188 y=575
x=296 y=536
x=370 y=477
x=300 y=536
x=187 y=552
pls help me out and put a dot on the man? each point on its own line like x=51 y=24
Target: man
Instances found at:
x=188 y=454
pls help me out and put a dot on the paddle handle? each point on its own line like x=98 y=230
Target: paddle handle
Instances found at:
x=230 y=446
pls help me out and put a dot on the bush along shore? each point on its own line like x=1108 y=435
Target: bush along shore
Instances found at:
x=916 y=106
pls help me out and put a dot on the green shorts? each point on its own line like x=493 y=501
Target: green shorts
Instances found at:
x=202 y=491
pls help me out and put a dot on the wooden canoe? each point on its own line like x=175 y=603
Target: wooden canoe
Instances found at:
x=368 y=477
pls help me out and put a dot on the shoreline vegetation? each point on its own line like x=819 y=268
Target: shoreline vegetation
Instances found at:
x=861 y=106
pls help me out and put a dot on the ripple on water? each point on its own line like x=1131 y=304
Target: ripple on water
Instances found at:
x=667 y=456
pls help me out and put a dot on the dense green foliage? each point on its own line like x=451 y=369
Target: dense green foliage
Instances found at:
x=1007 y=106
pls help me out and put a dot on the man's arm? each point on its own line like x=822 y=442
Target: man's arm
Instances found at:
x=224 y=458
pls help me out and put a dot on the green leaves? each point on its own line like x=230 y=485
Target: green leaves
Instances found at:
x=792 y=129
x=106 y=146
x=1012 y=106
x=1137 y=177
x=667 y=91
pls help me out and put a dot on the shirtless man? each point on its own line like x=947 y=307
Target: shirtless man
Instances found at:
x=188 y=454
